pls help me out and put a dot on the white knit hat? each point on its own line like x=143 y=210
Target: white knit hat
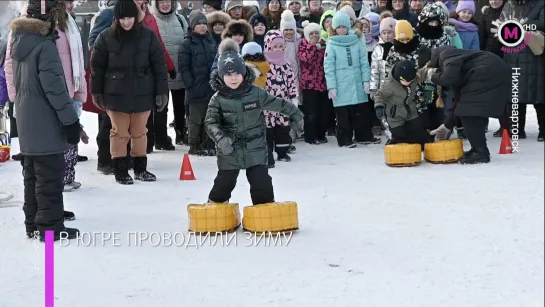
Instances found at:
x=287 y=21
x=309 y=27
x=251 y=48
x=348 y=10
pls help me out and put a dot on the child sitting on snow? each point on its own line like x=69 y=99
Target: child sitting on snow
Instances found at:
x=396 y=99
x=236 y=123
x=252 y=53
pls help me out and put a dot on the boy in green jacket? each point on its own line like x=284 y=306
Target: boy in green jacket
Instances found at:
x=236 y=123
x=396 y=101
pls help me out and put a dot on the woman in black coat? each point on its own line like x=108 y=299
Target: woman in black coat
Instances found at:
x=128 y=79
x=481 y=83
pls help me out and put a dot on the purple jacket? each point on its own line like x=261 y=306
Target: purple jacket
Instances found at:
x=3 y=87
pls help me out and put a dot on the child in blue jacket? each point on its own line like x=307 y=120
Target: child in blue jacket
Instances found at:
x=468 y=28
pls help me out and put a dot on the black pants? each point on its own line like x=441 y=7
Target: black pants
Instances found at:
x=433 y=117
x=376 y=121
x=278 y=137
x=261 y=188
x=507 y=122
x=103 y=141
x=331 y=118
x=157 y=128
x=474 y=129
x=43 y=186
x=412 y=132
x=316 y=115
x=197 y=132
x=178 y=104
x=12 y=121
x=354 y=120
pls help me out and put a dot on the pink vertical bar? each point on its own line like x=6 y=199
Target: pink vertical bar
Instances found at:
x=49 y=269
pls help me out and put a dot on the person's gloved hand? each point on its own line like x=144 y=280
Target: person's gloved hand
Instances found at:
x=225 y=145
x=332 y=94
x=72 y=133
x=98 y=101
x=366 y=87
x=372 y=93
x=380 y=112
x=84 y=137
x=440 y=133
x=161 y=101
x=172 y=74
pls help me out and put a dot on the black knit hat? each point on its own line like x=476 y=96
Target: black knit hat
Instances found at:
x=48 y=12
x=404 y=71
x=257 y=18
x=216 y=4
x=125 y=9
x=230 y=60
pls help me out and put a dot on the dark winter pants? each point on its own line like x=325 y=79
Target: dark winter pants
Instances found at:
x=12 y=122
x=197 y=132
x=157 y=128
x=316 y=115
x=103 y=141
x=506 y=121
x=412 y=132
x=178 y=104
x=261 y=188
x=331 y=118
x=43 y=186
x=70 y=161
x=432 y=117
x=474 y=129
x=354 y=120
x=278 y=137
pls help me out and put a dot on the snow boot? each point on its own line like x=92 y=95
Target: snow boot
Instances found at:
x=479 y=155
x=72 y=186
x=69 y=216
x=105 y=169
x=66 y=233
x=322 y=141
x=371 y=141
x=349 y=145
x=181 y=138
x=212 y=152
x=196 y=150
x=284 y=158
x=165 y=144
x=17 y=157
x=377 y=131
x=140 y=170
x=82 y=158
x=291 y=149
x=121 y=171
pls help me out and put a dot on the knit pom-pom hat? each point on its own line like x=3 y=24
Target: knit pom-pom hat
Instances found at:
x=466 y=5
x=287 y=21
x=309 y=27
x=340 y=19
x=230 y=60
x=388 y=23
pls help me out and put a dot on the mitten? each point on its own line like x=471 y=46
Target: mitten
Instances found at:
x=225 y=145
x=379 y=111
x=332 y=94
x=440 y=133
x=98 y=101
x=366 y=87
x=161 y=101
x=72 y=133
x=172 y=74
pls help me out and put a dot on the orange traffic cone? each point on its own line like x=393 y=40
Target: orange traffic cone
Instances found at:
x=506 y=147
x=187 y=171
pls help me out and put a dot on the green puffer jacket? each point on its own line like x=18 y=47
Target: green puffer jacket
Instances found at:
x=238 y=114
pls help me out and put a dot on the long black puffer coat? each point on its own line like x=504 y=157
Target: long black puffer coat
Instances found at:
x=487 y=39
x=531 y=81
x=195 y=59
x=128 y=69
x=480 y=80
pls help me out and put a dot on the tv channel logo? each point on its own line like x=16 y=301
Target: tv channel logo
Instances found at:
x=513 y=35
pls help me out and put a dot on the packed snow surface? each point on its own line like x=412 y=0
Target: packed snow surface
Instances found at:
x=370 y=235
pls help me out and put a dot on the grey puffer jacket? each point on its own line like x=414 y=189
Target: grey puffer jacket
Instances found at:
x=172 y=28
x=43 y=105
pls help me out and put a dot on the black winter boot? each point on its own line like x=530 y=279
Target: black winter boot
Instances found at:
x=140 y=169
x=165 y=144
x=69 y=216
x=105 y=169
x=121 y=171
x=66 y=233
x=479 y=155
x=196 y=150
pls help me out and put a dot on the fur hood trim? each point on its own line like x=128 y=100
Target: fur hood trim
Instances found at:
x=239 y=26
x=485 y=9
x=217 y=17
x=31 y=25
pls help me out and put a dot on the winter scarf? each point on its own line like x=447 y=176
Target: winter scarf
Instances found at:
x=76 y=52
x=292 y=47
x=369 y=39
x=464 y=26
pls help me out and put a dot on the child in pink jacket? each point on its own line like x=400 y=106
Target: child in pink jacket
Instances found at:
x=281 y=82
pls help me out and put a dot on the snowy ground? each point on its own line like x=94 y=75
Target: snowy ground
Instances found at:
x=434 y=235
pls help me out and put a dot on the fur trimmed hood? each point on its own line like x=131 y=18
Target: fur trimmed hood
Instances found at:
x=239 y=27
x=32 y=25
x=217 y=17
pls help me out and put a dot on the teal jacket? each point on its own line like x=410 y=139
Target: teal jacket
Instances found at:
x=346 y=67
x=454 y=37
